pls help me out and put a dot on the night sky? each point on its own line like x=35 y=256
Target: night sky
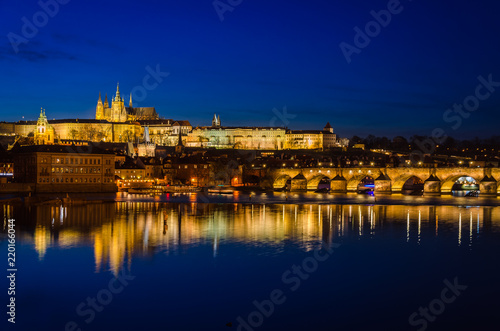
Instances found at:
x=263 y=55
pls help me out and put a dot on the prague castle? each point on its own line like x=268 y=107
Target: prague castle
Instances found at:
x=119 y=113
x=118 y=123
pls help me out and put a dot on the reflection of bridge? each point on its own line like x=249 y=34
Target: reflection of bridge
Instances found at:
x=387 y=180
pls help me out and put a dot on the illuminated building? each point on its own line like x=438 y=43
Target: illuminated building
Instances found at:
x=261 y=138
x=119 y=113
x=52 y=168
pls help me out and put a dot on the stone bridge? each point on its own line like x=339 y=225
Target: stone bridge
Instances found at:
x=387 y=180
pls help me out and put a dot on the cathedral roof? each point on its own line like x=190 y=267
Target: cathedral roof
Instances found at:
x=182 y=123
x=143 y=112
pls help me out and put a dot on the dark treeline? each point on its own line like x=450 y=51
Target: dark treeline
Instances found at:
x=450 y=146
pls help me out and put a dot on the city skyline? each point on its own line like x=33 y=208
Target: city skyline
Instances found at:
x=401 y=82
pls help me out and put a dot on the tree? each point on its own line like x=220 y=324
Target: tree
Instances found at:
x=73 y=134
x=128 y=135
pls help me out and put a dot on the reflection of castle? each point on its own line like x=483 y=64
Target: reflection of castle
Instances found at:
x=141 y=228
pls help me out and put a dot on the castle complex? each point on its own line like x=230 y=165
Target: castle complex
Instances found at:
x=120 y=123
x=119 y=113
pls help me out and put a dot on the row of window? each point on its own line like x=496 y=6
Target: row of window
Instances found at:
x=75 y=170
x=75 y=180
x=195 y=166
x=71 y=160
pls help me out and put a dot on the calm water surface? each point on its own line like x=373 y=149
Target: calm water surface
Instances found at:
x=195 y=266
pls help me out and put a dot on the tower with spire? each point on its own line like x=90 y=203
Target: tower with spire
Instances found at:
x=118 y=112
x=99 y=110
x=216 y=121
x=44 y=133
x=179 y=148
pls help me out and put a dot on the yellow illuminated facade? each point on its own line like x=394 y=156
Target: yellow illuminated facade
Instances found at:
x=117 y=112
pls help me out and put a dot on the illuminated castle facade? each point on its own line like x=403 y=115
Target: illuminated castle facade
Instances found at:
x=119 y=113
x=118 y=123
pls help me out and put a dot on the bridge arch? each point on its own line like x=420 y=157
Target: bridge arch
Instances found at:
x=312 y=184
x=280 y=181
x=352 y=184
x=447 y=184
x=399 y=183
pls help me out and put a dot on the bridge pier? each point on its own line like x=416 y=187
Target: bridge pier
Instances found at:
x=338 y=184
x=432 y=186
x=298 y=183
x=488 y=186
x=383 y=185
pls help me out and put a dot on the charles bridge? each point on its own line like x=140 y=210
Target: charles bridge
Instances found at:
x=386 y=180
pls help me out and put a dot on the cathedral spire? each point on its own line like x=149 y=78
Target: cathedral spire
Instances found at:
x=106 y=104
x=99 y=102
x=130 y=102
x=118 y=91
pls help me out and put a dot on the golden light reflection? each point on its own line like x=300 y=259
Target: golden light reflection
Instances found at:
x=118 y=232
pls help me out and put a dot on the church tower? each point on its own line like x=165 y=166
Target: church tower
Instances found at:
x=44 y=133
x=179 y=148
x=99 y=111
x=118 y=113
x=130 y=102
x=216 y=121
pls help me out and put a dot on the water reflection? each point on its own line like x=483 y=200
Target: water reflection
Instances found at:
x=119 y=231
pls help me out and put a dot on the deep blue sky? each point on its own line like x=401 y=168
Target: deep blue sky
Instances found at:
x=264 y=55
